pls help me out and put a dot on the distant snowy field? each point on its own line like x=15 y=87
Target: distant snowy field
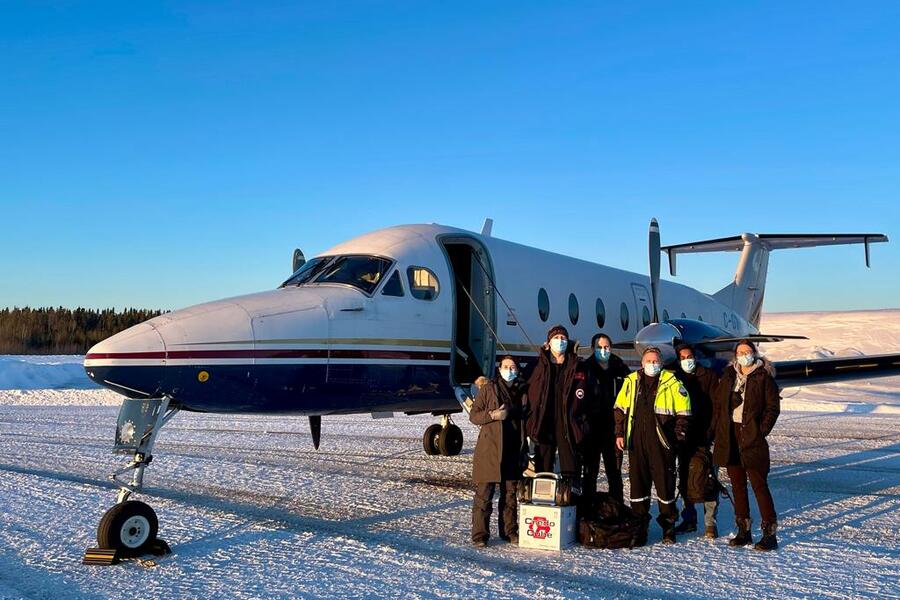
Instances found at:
x=252 y=511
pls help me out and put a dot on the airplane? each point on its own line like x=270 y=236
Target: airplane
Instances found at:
x=405 y=319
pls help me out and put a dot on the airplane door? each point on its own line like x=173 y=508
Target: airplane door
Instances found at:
x=643 y=313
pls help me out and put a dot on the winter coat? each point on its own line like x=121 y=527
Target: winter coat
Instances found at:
x=701 y=385
x=762 y=404
x=671 y=405
x=500 y=450
x=603 y=387
x=574 y=391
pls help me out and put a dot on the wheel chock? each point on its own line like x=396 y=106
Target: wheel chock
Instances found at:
x=101 y=556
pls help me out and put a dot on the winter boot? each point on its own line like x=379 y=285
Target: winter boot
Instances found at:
x=686 y=527
x=768 y=541
x=743 y=536
x=712 y=532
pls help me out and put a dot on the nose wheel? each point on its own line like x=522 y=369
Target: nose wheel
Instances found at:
x=130 y=528
x=445 y=439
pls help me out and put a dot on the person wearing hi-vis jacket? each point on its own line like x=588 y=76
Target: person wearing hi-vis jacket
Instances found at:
x=652 y=414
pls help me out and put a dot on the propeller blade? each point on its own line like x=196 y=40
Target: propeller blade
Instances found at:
x=654 y=266
x=315 y=428
x=755 y=338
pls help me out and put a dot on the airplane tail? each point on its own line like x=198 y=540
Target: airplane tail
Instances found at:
x=745 y=293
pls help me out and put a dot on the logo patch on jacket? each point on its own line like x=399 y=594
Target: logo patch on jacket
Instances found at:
x=579 y=375
x=682 y=391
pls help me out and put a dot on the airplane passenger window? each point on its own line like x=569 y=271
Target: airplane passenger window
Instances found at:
x=423 y=284
x=393 y=287
x=645 y=316
x=623 y=316
x=310 y=269
x=363 y=272
x=601 y=314
x=573 y=309
x=543 y=304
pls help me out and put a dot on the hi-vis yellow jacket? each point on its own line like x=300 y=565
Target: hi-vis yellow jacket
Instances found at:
x=672 y=407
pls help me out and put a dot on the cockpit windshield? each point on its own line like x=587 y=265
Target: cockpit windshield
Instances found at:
x=362 y=272
x=308 y=271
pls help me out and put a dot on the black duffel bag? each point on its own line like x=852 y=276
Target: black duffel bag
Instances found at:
x=702 y=484
x=612 y=525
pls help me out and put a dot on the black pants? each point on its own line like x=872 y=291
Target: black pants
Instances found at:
x=612 y=465
x=507 y=519
x=652 y=464
x=545 y=453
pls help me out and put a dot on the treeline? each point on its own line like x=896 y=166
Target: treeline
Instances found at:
x=63 y=330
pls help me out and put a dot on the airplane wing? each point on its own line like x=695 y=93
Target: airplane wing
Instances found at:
x=791 y=373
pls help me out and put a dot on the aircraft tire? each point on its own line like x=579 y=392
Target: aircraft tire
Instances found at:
x=450 y=440
x=129 y=527
x=430 y=439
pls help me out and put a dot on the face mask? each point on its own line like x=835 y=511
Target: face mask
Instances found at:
x=745 y=360
x=688 y=365
x=602 y=354
x=559 y=345
x=508 y=375
x=652 y=369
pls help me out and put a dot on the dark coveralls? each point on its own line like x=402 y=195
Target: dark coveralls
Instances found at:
x=649 y=462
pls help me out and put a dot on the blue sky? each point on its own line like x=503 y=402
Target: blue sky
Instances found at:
x=163 y=154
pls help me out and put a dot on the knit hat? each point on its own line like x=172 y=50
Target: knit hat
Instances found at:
x=557 y=330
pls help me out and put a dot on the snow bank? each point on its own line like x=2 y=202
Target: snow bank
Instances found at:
x=43 y=372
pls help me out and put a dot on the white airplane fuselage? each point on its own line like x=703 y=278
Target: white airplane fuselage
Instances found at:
x=326 y=348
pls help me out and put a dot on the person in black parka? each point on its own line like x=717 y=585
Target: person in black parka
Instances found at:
x=605 y=374
x=499 y=452
x=747 y=405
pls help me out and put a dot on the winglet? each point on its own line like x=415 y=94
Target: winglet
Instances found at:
x=486 y=228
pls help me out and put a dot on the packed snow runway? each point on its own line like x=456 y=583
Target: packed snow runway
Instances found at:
x=252 y=511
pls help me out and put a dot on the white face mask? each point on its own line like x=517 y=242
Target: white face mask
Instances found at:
x=652 y=369
x=559 y=345
x=688 y=365
x=509 y=375
x=745 y=360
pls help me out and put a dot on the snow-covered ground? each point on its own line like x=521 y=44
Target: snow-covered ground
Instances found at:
x=252 y=511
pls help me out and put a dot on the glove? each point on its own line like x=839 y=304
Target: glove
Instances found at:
x=498 y=414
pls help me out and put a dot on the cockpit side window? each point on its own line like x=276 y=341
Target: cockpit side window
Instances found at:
x=308 y=271
x=423 y=283
x=393 y=286
x=362 y=272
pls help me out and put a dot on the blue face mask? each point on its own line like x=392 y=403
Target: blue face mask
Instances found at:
x=745 y=360
x=602 y=354
x=652 y=369
x=559 y=345
x=508 y=375
x=688 y=365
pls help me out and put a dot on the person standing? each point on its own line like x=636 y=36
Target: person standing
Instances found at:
x=498 y=461
x=652 y=413
x=747 y=406
x=605 y=372
x=556 y=417
x=701 y=384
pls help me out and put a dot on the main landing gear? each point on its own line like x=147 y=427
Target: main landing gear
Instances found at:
x=130 y=527
x=445 y=438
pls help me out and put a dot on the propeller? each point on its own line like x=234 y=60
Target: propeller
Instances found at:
x=315 y=428
x=654 y=267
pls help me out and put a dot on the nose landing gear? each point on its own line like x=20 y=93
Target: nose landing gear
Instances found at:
x=130 y=527
x=445 y=438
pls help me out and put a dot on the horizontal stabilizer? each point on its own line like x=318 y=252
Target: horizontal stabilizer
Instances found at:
x=773 y=241
x=808 y=372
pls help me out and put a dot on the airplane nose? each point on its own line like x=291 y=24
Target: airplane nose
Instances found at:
x=125 y=362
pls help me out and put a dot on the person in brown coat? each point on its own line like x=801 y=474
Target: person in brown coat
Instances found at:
x=499 y=453
x=747 y=404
